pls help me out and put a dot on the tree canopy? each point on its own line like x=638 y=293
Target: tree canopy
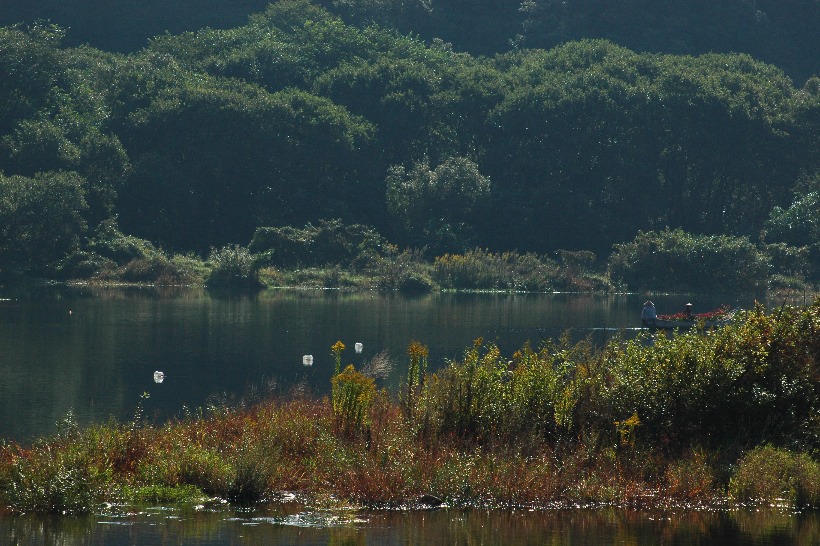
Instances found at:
x=300 y=115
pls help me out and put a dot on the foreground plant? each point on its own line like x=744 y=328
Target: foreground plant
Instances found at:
x=701 y=417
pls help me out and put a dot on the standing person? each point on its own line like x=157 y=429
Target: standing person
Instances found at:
x=687 y=311
x=648 y=314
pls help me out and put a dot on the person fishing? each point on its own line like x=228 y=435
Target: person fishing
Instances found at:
x=648 y=314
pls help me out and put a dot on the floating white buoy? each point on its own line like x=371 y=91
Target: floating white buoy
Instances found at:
x=358 y=348
x=307 y=360
x=159 y=377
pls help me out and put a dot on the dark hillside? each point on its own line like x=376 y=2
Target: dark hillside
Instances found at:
x=127 y=25
x=779 y=32
x=199 y=138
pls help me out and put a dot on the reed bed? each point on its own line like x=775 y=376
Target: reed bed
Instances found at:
x=705 y=417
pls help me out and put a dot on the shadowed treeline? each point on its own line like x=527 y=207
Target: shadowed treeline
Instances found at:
x=197 y=140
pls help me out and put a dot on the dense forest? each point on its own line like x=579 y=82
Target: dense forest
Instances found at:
x=560 y=125
x=783 y=33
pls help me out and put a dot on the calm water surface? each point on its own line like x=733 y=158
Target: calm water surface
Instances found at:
x=93 y=351
x=295 y=525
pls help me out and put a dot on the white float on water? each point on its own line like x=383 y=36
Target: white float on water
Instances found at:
x=159 y=377
x=307 y=360
x=358 y=348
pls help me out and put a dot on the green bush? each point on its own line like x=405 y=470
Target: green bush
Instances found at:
x=64 y=482
x=753 y=381
x=82 y=264
x=251 y=474
x=110 y=243
x=483 y=270
x=675 y=260
x=147 y=269
x=490 y=398
x=206 y=470
x=768 y=474
x=404 y=271
x=329 y=243
x=232 y=266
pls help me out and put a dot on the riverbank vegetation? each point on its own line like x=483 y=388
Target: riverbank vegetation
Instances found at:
x=200 y=139
x=356 y=257
x=709 y=418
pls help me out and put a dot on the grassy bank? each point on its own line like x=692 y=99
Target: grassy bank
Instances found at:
x=339 y=256
x=702 y=418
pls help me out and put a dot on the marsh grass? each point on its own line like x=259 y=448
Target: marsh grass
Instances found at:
x=768 y=475
x=481 y=269
x=695 y=418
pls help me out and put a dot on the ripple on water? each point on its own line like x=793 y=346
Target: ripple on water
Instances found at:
x=315 y=520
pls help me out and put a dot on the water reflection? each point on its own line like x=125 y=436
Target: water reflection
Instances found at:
x=297 y=525
x=94 y=350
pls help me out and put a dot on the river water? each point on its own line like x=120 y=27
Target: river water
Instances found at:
x=93 y=351
x=294 y=524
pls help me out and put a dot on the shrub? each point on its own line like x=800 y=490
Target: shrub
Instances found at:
x=206 y=470
x=692 y=478
x=150 y=269
x=329 y=243
x=404 y=271
x=749 y=382
x=58 y=482
x=110 y=243
x=483 y=270
x=768 y=474
x=675 y=260
x=82 y=264
x=250 y=481
x=232 y=266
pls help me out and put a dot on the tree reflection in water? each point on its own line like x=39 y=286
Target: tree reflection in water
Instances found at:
x=291 y=524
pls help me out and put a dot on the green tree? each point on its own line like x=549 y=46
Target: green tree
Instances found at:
x=593 y=141
x=435 y=206
x=798 y=225
x=54 y=114
x=214 y=158
x=41 y=220
x=671 y=260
